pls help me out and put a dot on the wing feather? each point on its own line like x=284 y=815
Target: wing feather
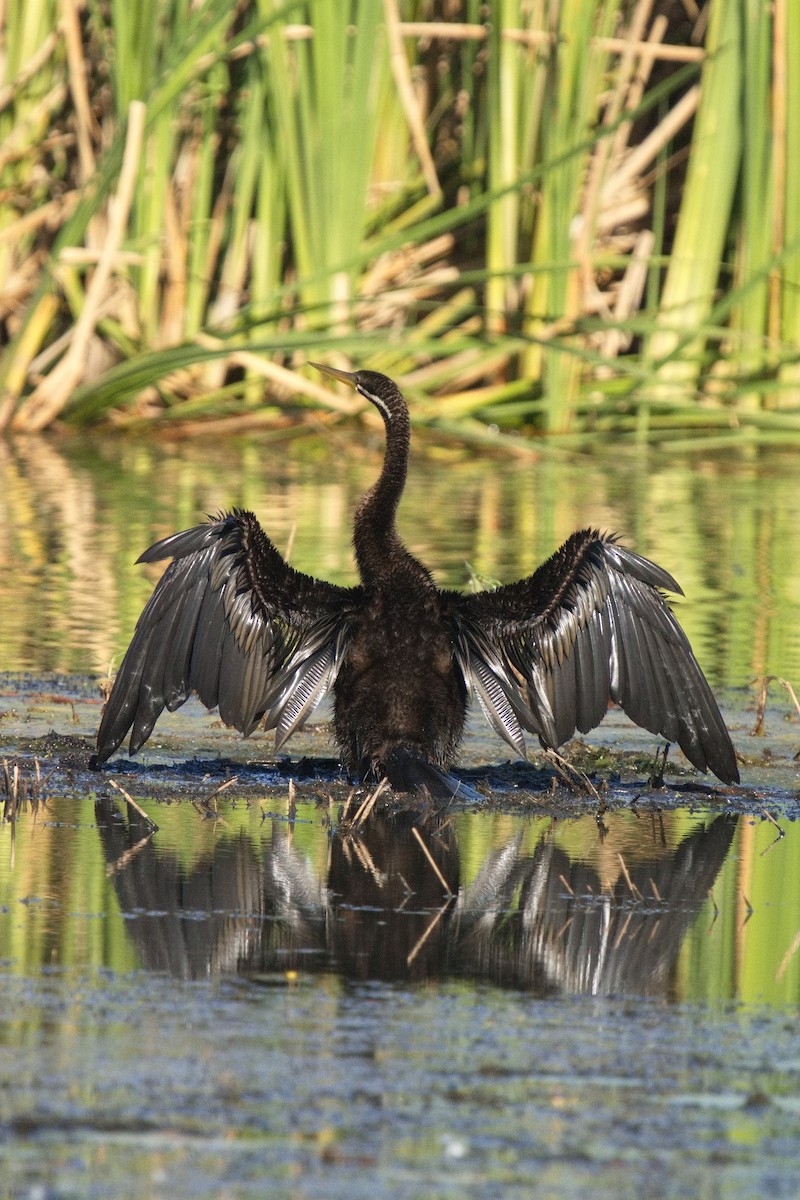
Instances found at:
x=496 y=703
x=151 y=686
x=306 y=687
x=595 y=659
x=234 y=623
x=207 y=648
x=590 y=626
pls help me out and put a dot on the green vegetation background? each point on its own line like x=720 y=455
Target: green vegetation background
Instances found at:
x=545 y=215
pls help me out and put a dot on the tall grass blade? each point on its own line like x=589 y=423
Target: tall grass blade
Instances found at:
x=696 y=259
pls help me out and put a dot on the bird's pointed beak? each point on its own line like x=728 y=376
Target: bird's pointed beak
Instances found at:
x=342 y=376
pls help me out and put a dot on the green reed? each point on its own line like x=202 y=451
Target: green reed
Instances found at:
x=496 y=213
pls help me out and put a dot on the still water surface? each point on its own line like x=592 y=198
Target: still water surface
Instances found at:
x=268 y=1002
x=258 y=1002
x=75 y=515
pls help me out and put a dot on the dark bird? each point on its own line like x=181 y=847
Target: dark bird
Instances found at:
x=233 y=622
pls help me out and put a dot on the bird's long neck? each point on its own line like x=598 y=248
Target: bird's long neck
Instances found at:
x=382 y=558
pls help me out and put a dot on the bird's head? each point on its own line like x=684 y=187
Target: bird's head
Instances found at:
x=378 y=389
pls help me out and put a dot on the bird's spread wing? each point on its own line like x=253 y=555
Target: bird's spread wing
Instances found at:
x=591 y=625
x=231 y=621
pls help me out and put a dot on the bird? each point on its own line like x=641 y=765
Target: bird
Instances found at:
x=231 y=621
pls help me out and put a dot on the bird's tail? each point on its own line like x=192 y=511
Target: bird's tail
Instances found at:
x=408 y=771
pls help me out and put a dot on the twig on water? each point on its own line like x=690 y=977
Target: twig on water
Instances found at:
x=620 y=938
x=368 y=863
x=369 y=802
x=136 y=807
x=572 y=777
x=346 y=809
x=20 y=789
x=632 y=888
x=788 y=956
x=415 y=949
x=781 y=832
x=11 y=789
x=716 y=909
x=128 y=855
x=432 y=861
x=204 y=805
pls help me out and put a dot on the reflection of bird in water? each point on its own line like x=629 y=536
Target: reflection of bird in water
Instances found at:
x=532 y=916
x=233 y=622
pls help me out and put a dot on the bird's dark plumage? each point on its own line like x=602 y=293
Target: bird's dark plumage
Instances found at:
x=233 y=622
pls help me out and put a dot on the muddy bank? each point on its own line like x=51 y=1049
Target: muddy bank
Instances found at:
x=51 y=720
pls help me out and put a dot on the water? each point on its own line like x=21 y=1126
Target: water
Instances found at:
x=256 y=997
x=257 y=1002
x=75 y=515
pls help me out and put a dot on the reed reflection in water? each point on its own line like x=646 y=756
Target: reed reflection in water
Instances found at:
x=75 y=515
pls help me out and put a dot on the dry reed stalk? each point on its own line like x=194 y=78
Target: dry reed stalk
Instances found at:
x=54 y=213
x=288 y=382
x=85 y=256
x=617 y=194
x=403 y=266
x=659 y=50
x=408 y=98
x=615 y=105
x=627 y=300
x=432 y=862
x=637 y=85
x=451 y=31
x=573 y=777
x=767 y=815
x=456 y=31
x=223 y=787
x=31 y=68
x=87 y=131
x=758 y=727
x=346 y=808
x=647 y=150
x=49 y=398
